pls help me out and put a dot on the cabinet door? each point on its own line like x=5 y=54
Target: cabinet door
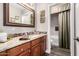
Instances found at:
x=43 y=47
x=36 y=50
x=45 y=38
x=25 y=53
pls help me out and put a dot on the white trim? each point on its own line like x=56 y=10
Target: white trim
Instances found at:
x=71 y=28
x=48 y=32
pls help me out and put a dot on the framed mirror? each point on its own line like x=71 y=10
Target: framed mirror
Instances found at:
x=18 y=14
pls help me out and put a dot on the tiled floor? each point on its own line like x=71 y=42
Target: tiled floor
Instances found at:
x=56 y=51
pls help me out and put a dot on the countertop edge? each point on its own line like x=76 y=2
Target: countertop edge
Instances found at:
x=4 y=49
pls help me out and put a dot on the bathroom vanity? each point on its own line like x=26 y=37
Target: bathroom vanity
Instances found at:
x=35 y=46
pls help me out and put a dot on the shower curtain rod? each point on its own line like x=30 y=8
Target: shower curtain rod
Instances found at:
x=62 y=11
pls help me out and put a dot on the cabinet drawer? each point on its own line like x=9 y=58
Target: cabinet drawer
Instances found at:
x=34 y=42
x=4 y=53
x=25 y=46
x=19 y=49
x=25 y=53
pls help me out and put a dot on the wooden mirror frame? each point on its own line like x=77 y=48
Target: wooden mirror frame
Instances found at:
x=6 y=16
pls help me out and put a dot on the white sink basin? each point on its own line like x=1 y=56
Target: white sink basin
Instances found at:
x=33 y=36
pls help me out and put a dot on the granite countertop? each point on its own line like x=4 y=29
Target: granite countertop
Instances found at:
x=15 y=42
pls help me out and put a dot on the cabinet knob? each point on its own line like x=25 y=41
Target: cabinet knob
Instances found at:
x=29 y=50
x=22 y=49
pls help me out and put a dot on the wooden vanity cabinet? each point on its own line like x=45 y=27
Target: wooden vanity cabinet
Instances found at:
x=38 y=46
x=34 y=47
x=23 y=50
x=43 y=45
x=35 y=50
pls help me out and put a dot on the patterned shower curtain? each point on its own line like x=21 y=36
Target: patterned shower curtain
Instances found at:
x=64 y=31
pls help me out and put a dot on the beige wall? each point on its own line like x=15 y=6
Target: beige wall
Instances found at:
x=41 y=26
x=10 y=29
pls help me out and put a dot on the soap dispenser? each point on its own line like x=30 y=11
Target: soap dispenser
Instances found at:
x=3 y=36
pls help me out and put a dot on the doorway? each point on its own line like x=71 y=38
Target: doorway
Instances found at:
x=59 y=30
x=54 y=33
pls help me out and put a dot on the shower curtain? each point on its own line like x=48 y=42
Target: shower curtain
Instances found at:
x=64 y=33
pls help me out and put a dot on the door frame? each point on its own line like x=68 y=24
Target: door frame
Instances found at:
x=48 y=19
x=72 y=30
x=72 y=27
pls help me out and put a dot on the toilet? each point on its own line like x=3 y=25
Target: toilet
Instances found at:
x=54 y=40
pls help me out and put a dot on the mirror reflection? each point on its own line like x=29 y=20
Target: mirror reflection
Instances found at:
x=20 y=14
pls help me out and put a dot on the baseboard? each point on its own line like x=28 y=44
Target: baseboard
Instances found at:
x=47 y=52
